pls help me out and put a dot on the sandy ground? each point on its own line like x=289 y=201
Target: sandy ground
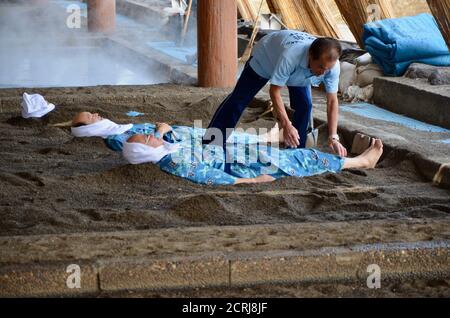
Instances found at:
x=392 y=289
x=53 y=183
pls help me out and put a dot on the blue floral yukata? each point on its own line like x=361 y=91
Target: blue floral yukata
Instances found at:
x=115 y=142
x=205 y=164
x=179 y=133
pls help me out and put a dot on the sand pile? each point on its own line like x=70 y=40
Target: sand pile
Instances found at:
x=53 y=183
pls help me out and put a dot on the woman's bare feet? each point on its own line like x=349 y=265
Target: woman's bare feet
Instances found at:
x=371 y=156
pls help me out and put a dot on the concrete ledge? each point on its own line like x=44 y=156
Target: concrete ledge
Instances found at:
x=433 y=169
x=222 y=256
x=167 y=273
x=179 y=73
x=415 y=98
x=437 y=172
x=430 y=158
x=421 y=259
x=46 y=279
x=138 y=11
x=429 y=260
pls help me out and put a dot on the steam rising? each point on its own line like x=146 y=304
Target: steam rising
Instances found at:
x=38 y=49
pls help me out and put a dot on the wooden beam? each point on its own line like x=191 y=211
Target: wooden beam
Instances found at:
x=441 y=12
x=217 y=43
x=356 y=13
x=288 y=12
x=246 y=10
x=318 y=18
x=101 y=15
x=312 y=16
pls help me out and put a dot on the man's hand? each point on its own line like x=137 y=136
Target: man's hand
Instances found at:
x=333 y=117
x=163 y=128
x=337 y=148
x=291 y=136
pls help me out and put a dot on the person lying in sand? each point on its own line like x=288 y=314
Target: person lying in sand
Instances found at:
x=86 y=124
x=206 y=166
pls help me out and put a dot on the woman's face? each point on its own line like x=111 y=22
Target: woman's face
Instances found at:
x=86 y=118
x=152 y=141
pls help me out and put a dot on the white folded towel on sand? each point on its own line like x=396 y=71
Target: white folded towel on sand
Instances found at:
x=102 y=128
x=35 y=106
x=137 y=153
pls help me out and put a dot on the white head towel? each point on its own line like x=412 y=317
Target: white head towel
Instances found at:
x=137 y=153
x=35 y=106
x=102 y=128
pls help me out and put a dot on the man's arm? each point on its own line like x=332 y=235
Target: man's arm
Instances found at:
x=291 y=136
x=333 y=118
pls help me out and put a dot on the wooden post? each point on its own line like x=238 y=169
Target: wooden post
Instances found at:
x=217 y=43
x=441 y=12
x=101 y=15
x=186 y=22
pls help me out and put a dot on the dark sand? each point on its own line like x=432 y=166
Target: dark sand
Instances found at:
x=390 y=289
x=51 y=182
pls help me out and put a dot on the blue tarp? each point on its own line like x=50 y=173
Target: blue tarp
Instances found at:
x=375 y=112
x=396 y=43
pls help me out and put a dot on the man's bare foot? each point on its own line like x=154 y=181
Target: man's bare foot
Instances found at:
x=371 y=156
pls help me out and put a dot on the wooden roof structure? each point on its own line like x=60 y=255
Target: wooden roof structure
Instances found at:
x=441 y=12
x=356 y=13
x=316 y=16
x=247 y=10
x=312 y=16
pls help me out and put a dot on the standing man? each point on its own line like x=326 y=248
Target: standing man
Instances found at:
x=296 y=60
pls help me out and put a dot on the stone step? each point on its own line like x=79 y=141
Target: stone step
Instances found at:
x=223 y=256
x=415 y=98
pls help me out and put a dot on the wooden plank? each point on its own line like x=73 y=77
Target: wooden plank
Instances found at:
x=312 y=16
x=246 y=10
x=356 y=13
x=441 y=12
